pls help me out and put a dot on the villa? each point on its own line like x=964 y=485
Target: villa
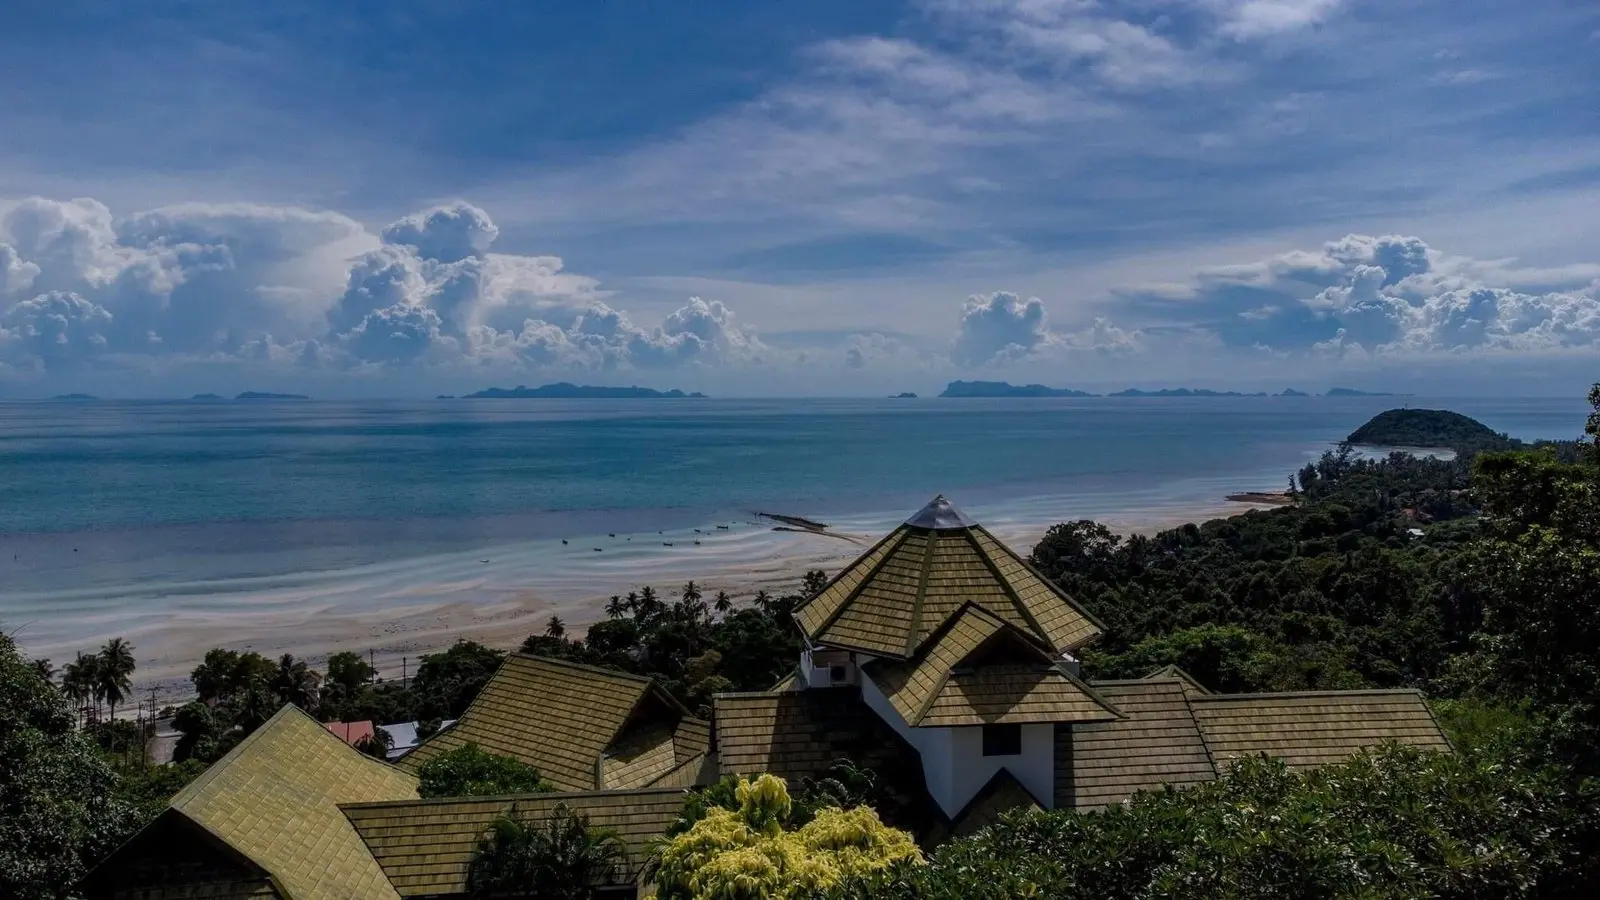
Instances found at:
x=939 y=659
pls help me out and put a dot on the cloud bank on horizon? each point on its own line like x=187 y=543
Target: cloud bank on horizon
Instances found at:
x=1075 y=191
x=281 y=287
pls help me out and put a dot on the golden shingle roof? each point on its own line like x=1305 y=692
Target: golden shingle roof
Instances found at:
x=981 y=670
x=172 y=858
x=903 y=590
x=798 y=734
x=1171 y=671
x=274 y=799
x=582 y=727
x=1158 y=743
x=1002 y=794
x=1315 y=727
x=425 y=846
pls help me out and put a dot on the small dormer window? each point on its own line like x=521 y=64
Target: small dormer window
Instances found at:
x=1002 y=740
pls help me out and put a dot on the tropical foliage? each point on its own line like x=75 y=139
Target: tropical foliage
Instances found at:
x=59 y=809
x=693 y=647
x=1396 y=823
x=749 y=851
x=471 y=771
x=560 y=858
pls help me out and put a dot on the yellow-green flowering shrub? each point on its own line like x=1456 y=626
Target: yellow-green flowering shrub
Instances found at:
x=747 y=855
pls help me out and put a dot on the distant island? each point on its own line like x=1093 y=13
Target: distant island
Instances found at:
x=563 y=390
x=1430 y=428
x=1291 y=392
x=74 y=397
x=1352 y=392
x=208 y=397
x=445 y=397
x=263 y=395
x=903 y=395
x=1183 y=392
x=1006 y=389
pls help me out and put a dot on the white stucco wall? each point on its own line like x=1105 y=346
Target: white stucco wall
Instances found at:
x=1035 y=766
x=816 y=663
x=953 y=764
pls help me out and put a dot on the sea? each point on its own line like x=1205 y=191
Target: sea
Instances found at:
x=126 y=517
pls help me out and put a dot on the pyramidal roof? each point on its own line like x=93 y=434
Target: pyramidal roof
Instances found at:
x=940 y=514
x=898 y=594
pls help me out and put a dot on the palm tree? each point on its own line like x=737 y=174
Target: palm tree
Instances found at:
x=555 y=628
x=115 y=681
x=649 y=605
x=45 y=670
x=763 y=601
x=79 y=681
x=560 y=858
x=254 y=705
x=691 y=593
x=723 y=604
x=616 y=607
x=115 y=672
x=295 y=682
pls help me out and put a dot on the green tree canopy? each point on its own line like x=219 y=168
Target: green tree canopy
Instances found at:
x=59 y=812
x=471 y=771
x=561 y=858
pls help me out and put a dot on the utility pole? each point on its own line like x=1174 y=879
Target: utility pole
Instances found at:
x=144 y=753
x=402 y=673
x=372 y=665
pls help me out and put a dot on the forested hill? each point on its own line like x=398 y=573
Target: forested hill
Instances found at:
x=1430 y=428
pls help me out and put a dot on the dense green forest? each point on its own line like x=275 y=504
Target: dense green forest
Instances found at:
x=1476 y=579
x=1430 y=428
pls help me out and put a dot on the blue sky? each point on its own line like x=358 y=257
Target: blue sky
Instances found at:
x=817 y=198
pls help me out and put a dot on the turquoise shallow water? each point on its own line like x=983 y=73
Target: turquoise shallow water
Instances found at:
x=128 y=512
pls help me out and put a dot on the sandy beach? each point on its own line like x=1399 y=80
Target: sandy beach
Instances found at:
x=394 y=622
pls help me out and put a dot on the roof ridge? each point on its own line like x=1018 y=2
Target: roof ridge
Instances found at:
x=697 y=759
x=214 y=770
x=651 y=688
x=1011 y=591
x=644 y=683
x=1298 y=695
x=901 y=533
x=845 y=571
x=273 y=878
x=491 y=798
x=929 y=545
x=583 y=667
x=1173 y=670
x=1199 y=727
x=945 y=628
x=737 y=695
x=1054 y=588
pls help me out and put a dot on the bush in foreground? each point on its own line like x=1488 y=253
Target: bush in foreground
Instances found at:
x=746 y=853
x=1394 y=823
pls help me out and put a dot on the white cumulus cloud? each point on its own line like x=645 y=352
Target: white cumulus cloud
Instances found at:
x=54 y=330
x=998 y=327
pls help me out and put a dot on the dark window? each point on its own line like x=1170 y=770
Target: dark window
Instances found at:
x=838 y=673
x=1002 y=740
